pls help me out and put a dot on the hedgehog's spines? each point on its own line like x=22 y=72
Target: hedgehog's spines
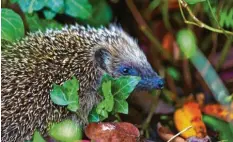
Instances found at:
x=30 y=67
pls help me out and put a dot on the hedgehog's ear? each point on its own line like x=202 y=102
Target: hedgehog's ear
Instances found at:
x=103 y=58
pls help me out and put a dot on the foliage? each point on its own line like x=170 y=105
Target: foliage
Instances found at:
x=66 y=131
x=115 y=92
x=194 y=1
x=67 y=94
x=12 y=27
x=35 y=23
x=37 y=137
x=187 y=42
x=225 y=129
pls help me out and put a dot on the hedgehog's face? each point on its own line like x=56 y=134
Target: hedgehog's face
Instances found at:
x=129 y=64
x=123 y=57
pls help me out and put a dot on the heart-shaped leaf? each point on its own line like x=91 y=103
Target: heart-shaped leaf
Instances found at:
x=12 y=27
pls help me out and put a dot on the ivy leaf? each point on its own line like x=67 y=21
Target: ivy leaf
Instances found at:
x=58 y=96
x=194 y=1
x=106 y=88
x=79 y=9
x=67 y=131
x=12 y=25
x=93 y=116
x=107 y=104
x=31 y=5
x=123 y=86
x=187 y=42
x=120 y=106
x=49 y=14
x=71 y=89
x=37 y=137
x=56 y=5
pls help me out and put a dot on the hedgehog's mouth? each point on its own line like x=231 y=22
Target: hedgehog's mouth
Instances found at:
x=148 y=83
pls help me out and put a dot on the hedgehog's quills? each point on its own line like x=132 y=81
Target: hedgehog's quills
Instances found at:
x=32 y=65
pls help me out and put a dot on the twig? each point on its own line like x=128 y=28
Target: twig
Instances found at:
x=146 y=30
x=197 y=22
x=179 y=133
x=152 y=109
x=226 y=48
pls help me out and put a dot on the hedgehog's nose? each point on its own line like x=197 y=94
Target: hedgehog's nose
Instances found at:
x=161 y=83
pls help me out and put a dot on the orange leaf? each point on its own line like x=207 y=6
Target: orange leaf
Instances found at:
x=190 y=114
x=218 y=111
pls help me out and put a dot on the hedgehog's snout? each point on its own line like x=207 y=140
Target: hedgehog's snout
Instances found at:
x=149 y=83
x=160 y=83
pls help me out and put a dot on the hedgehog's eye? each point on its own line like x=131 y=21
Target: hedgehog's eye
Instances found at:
x=125 y=70
x=128 y=71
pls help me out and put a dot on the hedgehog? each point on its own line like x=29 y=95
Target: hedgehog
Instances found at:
x=33 y=64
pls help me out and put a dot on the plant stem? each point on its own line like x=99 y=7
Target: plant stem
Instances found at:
x=197 y=22
x=225 y=50
x=146 y=30
x=152 y=110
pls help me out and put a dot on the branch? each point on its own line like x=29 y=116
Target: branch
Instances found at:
x=197 y=22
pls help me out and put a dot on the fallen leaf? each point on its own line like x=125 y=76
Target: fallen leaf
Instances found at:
x=166 y=134
x=190 y=115
x=218 y=111
x=109 y=132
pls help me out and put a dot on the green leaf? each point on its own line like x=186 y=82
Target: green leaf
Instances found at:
x=56 y=5
x=49 y=14
x=31 y=5
x=173 y=73
x=35 y=23
x=106 y=89
x=37 y=137
x=13 y=1
x=225 y=129
x=187 y=42
x=93 y=116
x=123 y=86
x=66 y=131
x=79 y=9
x=101 y=15
x=194 y=1
x=120 y=106
x=58 y=96
x=71 y=90
x=106 y=105
x=12 y=27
